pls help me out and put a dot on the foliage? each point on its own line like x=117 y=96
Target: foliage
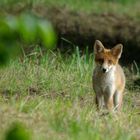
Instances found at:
x=17 y=132
x=25 y=28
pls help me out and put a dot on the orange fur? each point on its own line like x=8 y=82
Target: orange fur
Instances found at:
x=108 y=77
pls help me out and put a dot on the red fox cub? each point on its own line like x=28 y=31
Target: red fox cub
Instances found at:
x=108 y=77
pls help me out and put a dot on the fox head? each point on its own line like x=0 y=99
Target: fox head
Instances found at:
x=106 y=59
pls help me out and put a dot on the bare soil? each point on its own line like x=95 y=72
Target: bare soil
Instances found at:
x=82 y=29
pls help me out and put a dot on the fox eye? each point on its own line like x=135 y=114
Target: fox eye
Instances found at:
x=100 y=60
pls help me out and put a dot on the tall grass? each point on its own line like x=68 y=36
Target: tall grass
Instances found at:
x=47 y=70
x=53 y=96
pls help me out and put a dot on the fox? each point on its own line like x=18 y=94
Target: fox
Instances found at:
x=108 y=77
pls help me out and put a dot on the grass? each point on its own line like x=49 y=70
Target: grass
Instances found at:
x=100 y=6
x=53 y=97
x=118 y=7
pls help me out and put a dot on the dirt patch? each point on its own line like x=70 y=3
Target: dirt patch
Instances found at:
x=83 y=29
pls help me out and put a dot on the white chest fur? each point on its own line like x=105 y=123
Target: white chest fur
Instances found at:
x=104 y=81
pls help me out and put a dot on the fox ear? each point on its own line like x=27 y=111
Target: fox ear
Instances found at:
x=98 y=47
x=117 y=50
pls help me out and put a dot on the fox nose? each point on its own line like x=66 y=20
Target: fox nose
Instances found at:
x=104 y=70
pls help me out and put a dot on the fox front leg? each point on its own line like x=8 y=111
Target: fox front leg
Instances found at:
x=108 y=99
x=99 y=101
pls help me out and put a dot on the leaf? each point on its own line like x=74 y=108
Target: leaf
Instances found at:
x=17 y=131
